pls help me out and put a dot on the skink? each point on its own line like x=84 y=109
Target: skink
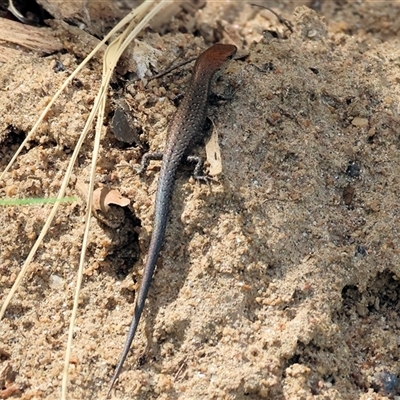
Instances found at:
x=186 y=128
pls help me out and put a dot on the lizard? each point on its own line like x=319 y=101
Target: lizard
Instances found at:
x=184 y=131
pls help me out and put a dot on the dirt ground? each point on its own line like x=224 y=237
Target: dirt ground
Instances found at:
x=280 y=279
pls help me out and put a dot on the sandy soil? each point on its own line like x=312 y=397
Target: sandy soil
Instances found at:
x=279 y=280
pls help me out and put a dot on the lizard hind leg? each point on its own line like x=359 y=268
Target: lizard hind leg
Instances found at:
x=147 y=157
x=198 y=172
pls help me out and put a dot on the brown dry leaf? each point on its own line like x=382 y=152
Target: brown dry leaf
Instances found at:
x=10 y=391
x=103 y=197
x=7 y=379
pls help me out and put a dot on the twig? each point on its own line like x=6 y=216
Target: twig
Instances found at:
x=285 y=22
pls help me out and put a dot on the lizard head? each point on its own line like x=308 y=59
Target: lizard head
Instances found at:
x=212 y=59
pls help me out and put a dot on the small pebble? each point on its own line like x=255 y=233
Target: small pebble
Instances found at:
x=348 y=195
x=360 y=122
x=353 y=169
x=360 y=251
x=386 y=383
x=312 y=33
x=56 y=282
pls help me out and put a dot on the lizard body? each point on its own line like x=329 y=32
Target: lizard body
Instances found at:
x=186 y=128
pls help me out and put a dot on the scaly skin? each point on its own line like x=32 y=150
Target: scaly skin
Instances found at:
x=186 y=128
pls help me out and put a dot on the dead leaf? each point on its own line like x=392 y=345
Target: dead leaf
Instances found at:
x=103 y=197
x=10 y=391
x=213 y=152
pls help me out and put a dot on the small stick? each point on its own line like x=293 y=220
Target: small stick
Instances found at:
x=167 y=71
x=285 y=22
